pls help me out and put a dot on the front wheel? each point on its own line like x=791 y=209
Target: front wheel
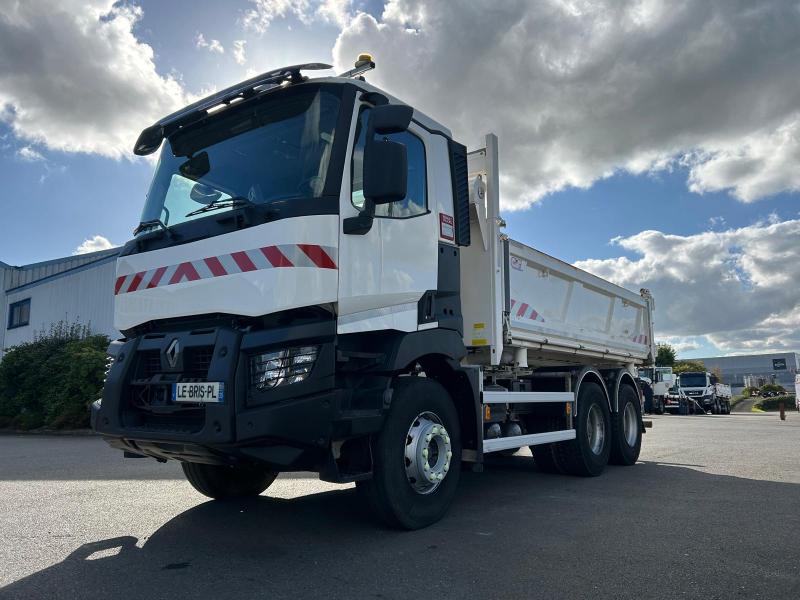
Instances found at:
x=660 y=407
x=416 y=456
x=222 y=482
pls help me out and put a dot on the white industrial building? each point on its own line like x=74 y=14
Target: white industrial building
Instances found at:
x=71 y=289
x=756 y=369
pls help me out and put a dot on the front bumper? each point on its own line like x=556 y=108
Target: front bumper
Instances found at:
x=287 y=428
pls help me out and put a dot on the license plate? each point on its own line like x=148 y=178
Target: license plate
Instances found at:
x=208 y=392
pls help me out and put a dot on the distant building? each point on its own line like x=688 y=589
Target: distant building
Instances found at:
x=756 y=369
x=71 y=289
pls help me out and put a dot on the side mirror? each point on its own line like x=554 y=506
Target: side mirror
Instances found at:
x=390 y=118
x=385 y=171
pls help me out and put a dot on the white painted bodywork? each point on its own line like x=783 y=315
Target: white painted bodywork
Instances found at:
x=387 y=270
x=253 y=293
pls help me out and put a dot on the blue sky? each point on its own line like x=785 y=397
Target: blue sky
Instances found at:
x=56 y=197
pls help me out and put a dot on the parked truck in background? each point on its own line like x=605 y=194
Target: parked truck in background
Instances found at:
x=677 y=402
x=661 y=379
x=320 y=282
x=707 y=393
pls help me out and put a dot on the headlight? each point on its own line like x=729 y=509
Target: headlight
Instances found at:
x=283 y=367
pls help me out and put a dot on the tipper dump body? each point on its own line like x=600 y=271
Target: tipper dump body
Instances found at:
x=521 y=304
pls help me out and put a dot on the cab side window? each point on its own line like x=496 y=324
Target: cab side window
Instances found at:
x=415 y=202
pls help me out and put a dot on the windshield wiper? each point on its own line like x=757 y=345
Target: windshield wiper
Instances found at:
x=217 y=204
x=152 y=223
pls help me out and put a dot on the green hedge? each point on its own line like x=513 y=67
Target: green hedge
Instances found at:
x=51 y=381
x=774 y=403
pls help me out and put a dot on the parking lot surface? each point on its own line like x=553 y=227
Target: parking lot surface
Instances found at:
x=711 y=511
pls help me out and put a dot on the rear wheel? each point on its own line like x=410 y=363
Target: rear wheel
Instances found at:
x=416 y=456
x=587 y=455
x=221 y=482
x=660 y=406
x=626 y=437
x=544 y=455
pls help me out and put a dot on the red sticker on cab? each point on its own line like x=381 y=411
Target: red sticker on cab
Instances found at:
x=447 y=230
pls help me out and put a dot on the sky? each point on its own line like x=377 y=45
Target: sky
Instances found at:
x=652 y=143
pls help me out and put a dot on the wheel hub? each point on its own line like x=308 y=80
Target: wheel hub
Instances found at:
x=428 y=453
x=629 y=424
x=596 y=429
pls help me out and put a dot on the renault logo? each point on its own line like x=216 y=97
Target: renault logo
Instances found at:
x=173 y=352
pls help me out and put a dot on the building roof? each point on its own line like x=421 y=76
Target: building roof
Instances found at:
x=19 y=276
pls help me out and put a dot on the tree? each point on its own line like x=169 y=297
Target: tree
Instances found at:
x=682 y=366
x=665 y=356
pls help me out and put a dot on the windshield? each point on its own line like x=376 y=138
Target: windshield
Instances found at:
x=278 y=149
x=693 y=380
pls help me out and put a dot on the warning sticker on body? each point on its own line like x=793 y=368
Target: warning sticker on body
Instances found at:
x=479 y=335
x=447 y=229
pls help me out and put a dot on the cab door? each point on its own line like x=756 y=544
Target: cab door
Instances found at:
x=384 y=272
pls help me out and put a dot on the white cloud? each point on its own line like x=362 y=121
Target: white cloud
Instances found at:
x=260 y=17
x=336 y=11
x=93 y=244
x=238 y=51
x=28 y=154
x=735 y=287
x=577 y=91
x=682 y=344
x=264 y=12
x=75 y=78
x=211 y=45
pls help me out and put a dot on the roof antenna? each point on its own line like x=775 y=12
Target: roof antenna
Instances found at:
x=363 y=64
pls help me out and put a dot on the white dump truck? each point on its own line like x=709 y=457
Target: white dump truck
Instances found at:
x=320 y=282
x=706 y=392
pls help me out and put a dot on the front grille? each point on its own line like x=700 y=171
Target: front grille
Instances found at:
x=149 y=364
x=150 y=405
x=198 y=360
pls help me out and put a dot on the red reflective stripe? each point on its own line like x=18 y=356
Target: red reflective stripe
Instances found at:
x=186 y=270
x=534 y=314
x=118 y=284
x=513 y=302
x=216 y=268
x=522 y=308
x=276 y=257
x=244 y=262
x=318 y=256
x=137 y=279
x=156 y=278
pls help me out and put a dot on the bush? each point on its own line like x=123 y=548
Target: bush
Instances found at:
x=750 y=391
x=774 y=403
x=51 y=381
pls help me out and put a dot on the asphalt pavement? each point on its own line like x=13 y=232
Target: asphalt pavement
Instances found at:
x=711 y=511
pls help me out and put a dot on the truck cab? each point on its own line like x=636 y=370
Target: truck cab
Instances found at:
x=294 y=298
x=706 y=391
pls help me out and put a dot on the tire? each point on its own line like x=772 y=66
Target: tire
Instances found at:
x=660 y=407
x=223 y=482
x=626 y=429
x=400 y=493
x=544 y=455
x=578 y=457
x=715 y=407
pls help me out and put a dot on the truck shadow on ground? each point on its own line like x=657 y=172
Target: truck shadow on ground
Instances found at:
x=635 y=532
